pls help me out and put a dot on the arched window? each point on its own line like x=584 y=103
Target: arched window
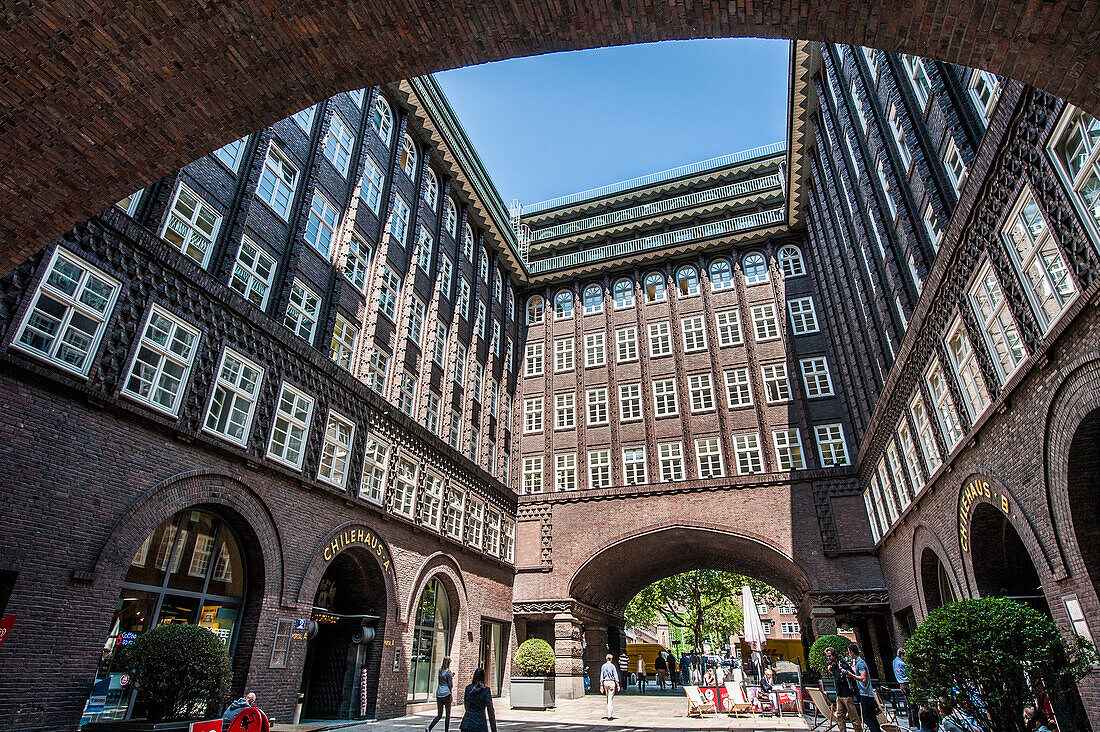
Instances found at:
x=431 y=189
x=467 y=239
x=535 y=307
x=483 y=265
x=790 y=261
x=721 y=275
x=408 y=156
x=450 y=217
x=687 y=280
x=563 y=305
x=654 y=287
x=624 y=293
x=755 y=268
x=431 y=640
x=593 y=299
x=381 y=119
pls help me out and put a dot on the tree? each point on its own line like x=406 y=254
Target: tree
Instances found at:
x=992 y=654
x=706 y=603
x=182 y=671
x=816 y=656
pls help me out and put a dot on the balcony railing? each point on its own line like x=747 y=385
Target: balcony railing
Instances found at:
x=658 y=241
x=647 y=210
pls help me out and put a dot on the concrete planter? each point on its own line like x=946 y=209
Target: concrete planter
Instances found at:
x=532 y=692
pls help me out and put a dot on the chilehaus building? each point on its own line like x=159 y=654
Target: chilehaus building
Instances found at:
x=324 y=393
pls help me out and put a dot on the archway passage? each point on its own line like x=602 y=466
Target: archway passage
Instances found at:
x=1002 y=565
x=1083 y=478
x=935 y=582
x=81 y=135
x=345 y=649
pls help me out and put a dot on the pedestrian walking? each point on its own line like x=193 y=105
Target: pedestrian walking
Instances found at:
x=443 y=695
x=673 y=669
x=660 y=667
x=609 y=684
x=901 y=673
x=642 y=680
x=478 y=701
x=231 y=712
x=846 y=705
x=624 y=668
x=868 y=707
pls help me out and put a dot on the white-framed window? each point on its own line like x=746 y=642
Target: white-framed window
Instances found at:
x=130 y=203
x=776 y=387
x=356 y=261
x=231 y=155
x=918 y=77
x=357 y=96
x=494 y=345
x=338 y=143
x=1075 y=147
x=277 y=181
x=593 y=299
x=336 y=450
x=417 y=312
x=816 y=377
x=371 y=188
x=623 y=293
x=630 y=402
x=857 y=99
x=746 y=450
x=389 y=289
x=701 y=389
x=664 y=397
x=660 y=339
x=803 y=315
x=432 y=419
x=343 y=342
x=565 y=411
x=670 y=461
x=532 y=414
x=764 y=322
x=450 y=225
x=626 y=344
x=898 y=476
x=563 y=305
x=378 y=366
x=304 y=118
x=290 y=430
x=406 y=157
x=475 y=513
x=565 y=471
x=423 y=249
x=431 y=500
x=984 y=89
x=755 y=267
x=321 y=224
x=301 y=311
x=596 y=401
x=454 y=430
x=788 y=449
x=508 y=355
x=880 y=485
x=832 y=450
x=446 y=268
x=1039 y=261
x=381 y=119
x=721 y=274
x=399 y=219
x=791 y=262
x=790 y=628
x=728 y=323
x=694 y=333
x=953 y=162
x=431 y=189
x=967 y=372
x=738 y=387
x=654 y=287
x=403 y=495
x=71 y=307
x=599 y=468
x=160 y=369
x=564 y=354
x=233 y=401
x=456 y=505
x=910 y=454
x=459 y=374
x=872 y=60
x=687 y=281
x=536 y=306
x=708 y=457
x=594 y=352
x=192 y=225
x=464 y=298
x=634 y=469
x=897 y=132
x=372 y=487
x=1002 y=338
x=943 y=405
x=492 y=532
x=887 y=187
x=532 y=360
x=872 y=519
x=483 y=265
x=932 y=226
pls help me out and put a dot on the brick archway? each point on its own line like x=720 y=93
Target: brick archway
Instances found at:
x=113 y=96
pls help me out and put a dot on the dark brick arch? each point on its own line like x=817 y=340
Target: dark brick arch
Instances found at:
x=315 y=570
x=926 y=538
x=446 y=569
x=117 y=95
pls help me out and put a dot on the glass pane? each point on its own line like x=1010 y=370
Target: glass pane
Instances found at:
x=221 y=620
x=151 y=561
x=176 y=609
x=228 y=575
x=195 y=552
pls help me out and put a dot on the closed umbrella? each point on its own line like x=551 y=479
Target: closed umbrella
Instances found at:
x=754 y=629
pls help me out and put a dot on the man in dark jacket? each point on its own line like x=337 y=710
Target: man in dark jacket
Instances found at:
x=847 y=707
x=661 y=667
x=246 y=701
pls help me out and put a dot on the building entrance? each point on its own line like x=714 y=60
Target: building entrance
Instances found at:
x=1002 y=566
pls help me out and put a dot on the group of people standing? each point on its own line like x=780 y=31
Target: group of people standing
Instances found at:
x=665 y=670
x=477 y=701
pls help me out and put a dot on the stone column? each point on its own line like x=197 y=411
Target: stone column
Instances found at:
x=569 y=669
x=822 y=621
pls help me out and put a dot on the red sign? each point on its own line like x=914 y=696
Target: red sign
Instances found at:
x=5 y=628
x=214 y=725
x=251 y=719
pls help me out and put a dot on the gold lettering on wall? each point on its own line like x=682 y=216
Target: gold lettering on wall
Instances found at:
x=978 y=488
x=365 y=537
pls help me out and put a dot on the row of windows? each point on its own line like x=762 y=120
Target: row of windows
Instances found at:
x=747 y=458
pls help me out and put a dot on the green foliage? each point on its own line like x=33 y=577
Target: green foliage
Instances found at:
x=991 y=653
x=816 y=657
x=534 y=657
x=182 y=672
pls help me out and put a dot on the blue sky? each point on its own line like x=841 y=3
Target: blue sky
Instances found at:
x=550 y=125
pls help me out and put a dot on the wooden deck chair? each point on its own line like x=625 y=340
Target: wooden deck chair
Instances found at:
x=696 y=703
x=822 y=708
x=739 y=703
x=886 y=714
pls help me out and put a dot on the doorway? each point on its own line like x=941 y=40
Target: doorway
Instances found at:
x=491 y=656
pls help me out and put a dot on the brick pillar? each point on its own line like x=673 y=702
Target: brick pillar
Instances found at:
x=569 y=670
x=596 y=648
x=822 y=621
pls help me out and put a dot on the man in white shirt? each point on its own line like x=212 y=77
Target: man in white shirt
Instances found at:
x=609 y=682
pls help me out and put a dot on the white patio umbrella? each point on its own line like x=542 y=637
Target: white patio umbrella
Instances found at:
x=754 y=629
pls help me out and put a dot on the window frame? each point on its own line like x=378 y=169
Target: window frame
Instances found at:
x=165 y=353
x=305 y=425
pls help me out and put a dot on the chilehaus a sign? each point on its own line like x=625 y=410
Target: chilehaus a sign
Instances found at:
x=360 y=536
x=979 y=489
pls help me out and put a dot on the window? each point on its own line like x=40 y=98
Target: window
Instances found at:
x=456 y=503
x=159 y=372
x=454 y=432
x=596 y=399
x=897 y=132
x=702 y=392
x=234 y=398
x=338 y=144
x=887 y=189
x=687 y=281
x=623 y=294
x=277 y=181
x=476 y=391
x=872 y=62
x=431 y=500
x=381 y=119
x=446 y=267
x=335 y=450
x=417 y=311
x=599 y=468
x=565 y=471
x=406 y=158
x=230 y=154
x=492 y=531
x=694 y=333
x=943 y=405
x=630 y=402
x=483 y=265
x=450 y=225
x=532 y=414
x=1039 y=261
x=1002 y=339
x=356 y=261
x=399 y=220
x=670 y=458
x=431 y=189
x=953 y=161
x=69 y=314
x=291 y=427
x=634 y=471
x=532 y=474
x=984 y=89
x=423 y=253
x=533 y=360
x=831 y=448
x=594 y=352
x=664 y=397
x=343 y=342
x=816 y=378
x=565 y=411
x=660 y=339
x=738 y=388
x=563 y=354
x=475 y=512
x=746 y=450
x=404 y=486
x=304 y=118
x=790 y=262
x=192 y=225
x=130 y=203
x=508 y=355
x=776 y=386
x=377 y=369
x=1076 y=147
x=654 y=286
x=788 y=450
x=975 y=396
x=932 y=226
x=371 y=189
x=803 y=315
x=857 y=100
x=868 y=502
x=626 y=344
x=432 y=420
x=729 y=328
x=764 y=322
x=535 y=307
x=898 y=477
x=464 y=298
x=321 y=224
x=389 y=286
x=301 y=311
x=563 y=305
x=708 y=456
x=918 y=77
x=721 y=275
x=755 y=268
x=593 y=300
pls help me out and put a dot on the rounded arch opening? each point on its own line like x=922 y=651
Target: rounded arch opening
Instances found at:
x=433 y=622
x=1001 y=563
x=1083 y=474
x=936 y=585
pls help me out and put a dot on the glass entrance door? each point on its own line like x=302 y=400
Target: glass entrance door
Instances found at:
x=491 y=657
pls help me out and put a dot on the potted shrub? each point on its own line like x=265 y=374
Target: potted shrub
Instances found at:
x=816 y=660
x=533 y=688
x=182 y=674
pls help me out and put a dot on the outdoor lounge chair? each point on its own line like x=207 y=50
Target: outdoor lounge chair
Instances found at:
x=822 y=708
x=887 y=714
x=697 y=704
x=739 y=703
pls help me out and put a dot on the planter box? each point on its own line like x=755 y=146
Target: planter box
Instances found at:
x=532 y=692
x=136 y=725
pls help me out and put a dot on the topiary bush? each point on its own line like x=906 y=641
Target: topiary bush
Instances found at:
x=816 y=657
x=182 y=672
x=534 y=657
